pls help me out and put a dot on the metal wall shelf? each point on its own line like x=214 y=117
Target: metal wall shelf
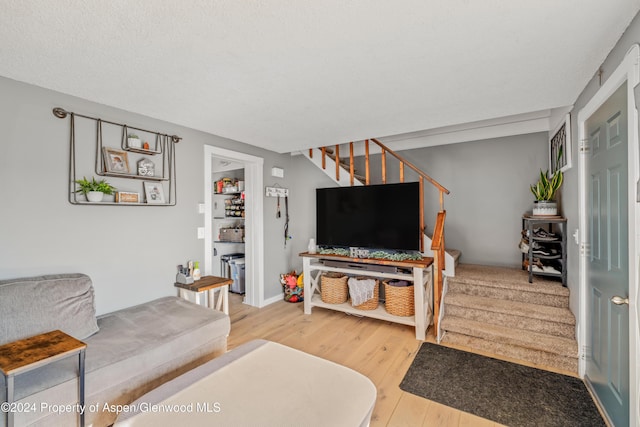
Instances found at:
x=164 y=146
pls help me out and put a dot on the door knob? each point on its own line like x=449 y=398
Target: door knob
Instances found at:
x=619 y=300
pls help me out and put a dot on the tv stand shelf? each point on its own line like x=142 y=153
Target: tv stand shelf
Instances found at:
x=418 y=272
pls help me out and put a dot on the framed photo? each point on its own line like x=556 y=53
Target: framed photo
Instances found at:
x=560 y=147
x=154 y=192
x=127 y=197
x=115 y=160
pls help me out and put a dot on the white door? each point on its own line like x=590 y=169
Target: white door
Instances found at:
x=608 y=256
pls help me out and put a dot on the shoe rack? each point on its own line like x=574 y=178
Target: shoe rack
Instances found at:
x=544 y=246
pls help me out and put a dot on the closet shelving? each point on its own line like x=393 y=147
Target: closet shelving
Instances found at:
x=163 y=147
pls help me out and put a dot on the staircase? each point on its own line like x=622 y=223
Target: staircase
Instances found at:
x=497 y=310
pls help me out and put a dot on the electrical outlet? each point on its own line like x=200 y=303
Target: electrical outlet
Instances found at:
x=200 y=232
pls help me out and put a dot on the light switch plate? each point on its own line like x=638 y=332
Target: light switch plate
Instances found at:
x=200 y=232
x=200 y=208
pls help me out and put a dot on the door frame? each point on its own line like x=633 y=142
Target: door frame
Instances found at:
x=254 y=222
x=628 y=71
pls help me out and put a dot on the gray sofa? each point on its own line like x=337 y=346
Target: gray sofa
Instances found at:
x=129 y=352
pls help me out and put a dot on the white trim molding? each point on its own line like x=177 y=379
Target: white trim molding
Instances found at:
x=254 y=223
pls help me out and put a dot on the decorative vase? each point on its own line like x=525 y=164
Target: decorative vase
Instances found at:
x=545 y=208
x=134 y=143
x=312 y=248
x=95 y=196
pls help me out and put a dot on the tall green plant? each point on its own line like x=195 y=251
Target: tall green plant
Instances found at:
x=545 y=188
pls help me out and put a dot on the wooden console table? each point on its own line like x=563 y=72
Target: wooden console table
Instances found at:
x=419 y=272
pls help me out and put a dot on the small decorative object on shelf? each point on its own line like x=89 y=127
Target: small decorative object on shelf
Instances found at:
x=127 y=197
x=312 y=248
x=94 y=190
x=116 y=161
x=154 y=192
x=146 y=167
x=133 y=141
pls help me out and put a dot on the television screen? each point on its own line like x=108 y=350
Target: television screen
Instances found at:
x=372 y=216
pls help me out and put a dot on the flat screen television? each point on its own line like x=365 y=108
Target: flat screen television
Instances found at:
x=371 y=216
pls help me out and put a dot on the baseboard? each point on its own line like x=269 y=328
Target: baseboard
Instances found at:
x=271 y=300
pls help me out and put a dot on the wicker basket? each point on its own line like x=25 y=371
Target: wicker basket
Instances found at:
x=399 y=300
x=371 y=304
x=333 y=288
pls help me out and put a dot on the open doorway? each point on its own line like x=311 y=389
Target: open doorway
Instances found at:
x=216 y=161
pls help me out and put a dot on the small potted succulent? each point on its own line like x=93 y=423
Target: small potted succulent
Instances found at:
x=133 y=141
x=544 y=191
x=94 y=190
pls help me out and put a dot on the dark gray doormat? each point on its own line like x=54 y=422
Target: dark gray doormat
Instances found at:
x=500 y=391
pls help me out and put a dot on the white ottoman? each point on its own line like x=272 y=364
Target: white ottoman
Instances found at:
x=260 y=383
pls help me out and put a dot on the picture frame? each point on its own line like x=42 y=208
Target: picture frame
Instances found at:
x=154 y=193
x=560 y=146
x=115 y=161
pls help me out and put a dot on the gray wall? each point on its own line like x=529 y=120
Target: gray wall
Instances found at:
x=129 y=252
x=489 y=184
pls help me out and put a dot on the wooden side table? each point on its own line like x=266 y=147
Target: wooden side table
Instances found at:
x=208 y=284
x=30 y=353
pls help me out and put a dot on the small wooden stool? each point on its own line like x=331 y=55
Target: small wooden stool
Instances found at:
x=209 y=284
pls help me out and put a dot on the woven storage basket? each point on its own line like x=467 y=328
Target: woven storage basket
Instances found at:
x=371 y=304
x=399 y=300
x=333 y=288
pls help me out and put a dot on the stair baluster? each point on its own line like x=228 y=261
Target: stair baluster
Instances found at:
x=351 y=170
x=337 y=154
x=366 y=161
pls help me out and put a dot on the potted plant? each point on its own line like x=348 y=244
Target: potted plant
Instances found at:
x=94 y=190
x=133 y=141
x=544 y=191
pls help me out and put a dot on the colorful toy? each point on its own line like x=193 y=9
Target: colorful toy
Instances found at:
x=292 y=285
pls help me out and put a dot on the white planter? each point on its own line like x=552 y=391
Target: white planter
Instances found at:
x=545 y=208
x=134 y=143
x=95 y=196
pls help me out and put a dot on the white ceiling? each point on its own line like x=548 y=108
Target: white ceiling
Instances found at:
x=293 y=74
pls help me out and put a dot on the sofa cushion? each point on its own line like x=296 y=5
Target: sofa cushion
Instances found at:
x=33 y=305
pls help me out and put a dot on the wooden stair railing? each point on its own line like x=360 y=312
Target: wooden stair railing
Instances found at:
x=437 y=245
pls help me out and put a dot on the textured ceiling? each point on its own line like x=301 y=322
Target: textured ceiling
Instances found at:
x=293 y=74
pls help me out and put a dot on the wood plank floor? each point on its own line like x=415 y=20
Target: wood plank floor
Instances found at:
x=383 y=351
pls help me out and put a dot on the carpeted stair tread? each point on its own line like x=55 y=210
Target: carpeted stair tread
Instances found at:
x=506 y=278
x=539 y=358
x=516 y=308
x=512 y=321
x=516 y=337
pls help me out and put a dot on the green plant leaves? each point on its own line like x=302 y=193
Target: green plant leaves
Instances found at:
x=546 y=188
x=93 y=185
